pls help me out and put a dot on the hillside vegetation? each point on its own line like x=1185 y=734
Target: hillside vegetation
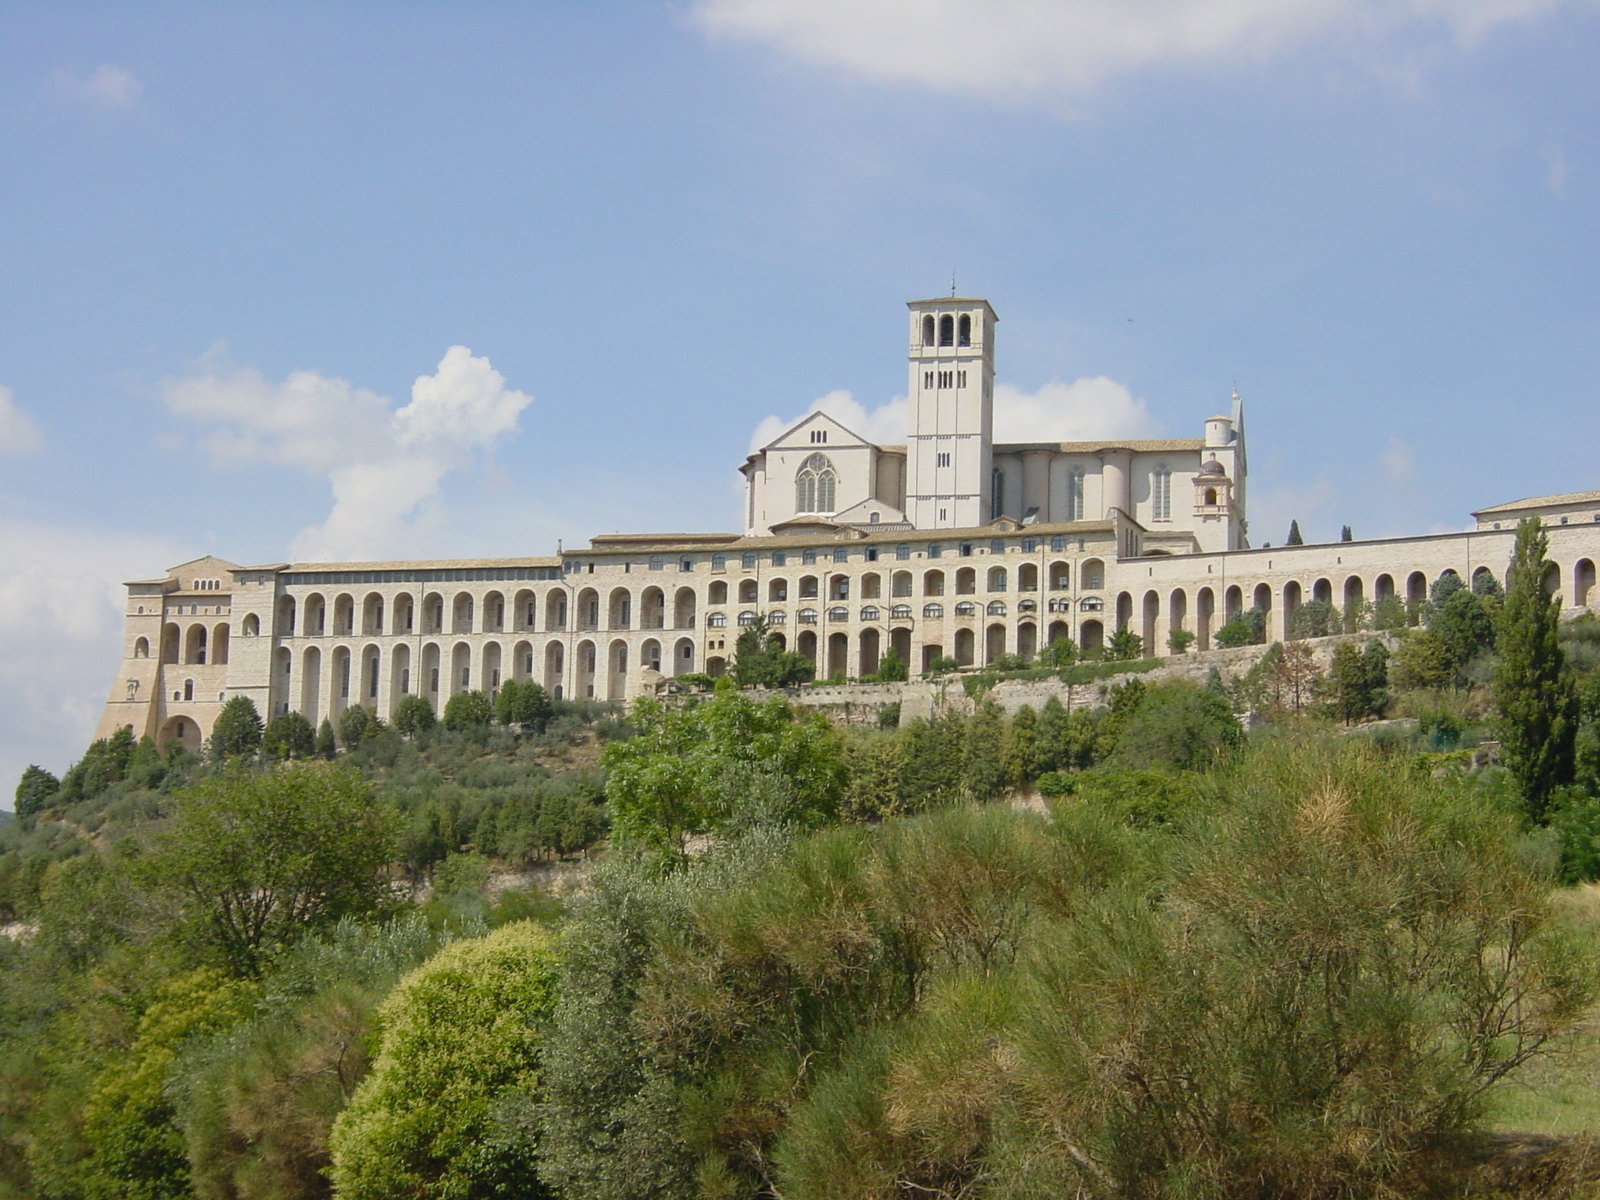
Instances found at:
x=1124 y=951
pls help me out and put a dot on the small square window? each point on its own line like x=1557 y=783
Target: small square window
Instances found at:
x=1058 y=544
x=934 y=549
x=748 y=560
x=686 y=564
x=872 y=554
x=966 y=549
x=997 y=547
x=841 y=554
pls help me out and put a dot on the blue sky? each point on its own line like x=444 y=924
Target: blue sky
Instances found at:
x=234 y=237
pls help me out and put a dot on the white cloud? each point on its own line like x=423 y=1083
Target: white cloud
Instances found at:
x=110 y=88
x=1029 y=47
x=61 y=603
x=18 y=433
x=384 y=465
x=1085 y=410
x=1399 y=464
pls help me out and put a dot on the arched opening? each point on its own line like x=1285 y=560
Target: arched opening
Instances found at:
x=492 y=667
x=194 y=645
x=997 y=579
x=432 y=681
x=1211 y=497
x=1262 y=601
x=1147 y=631
x=141 y=648
x=1291 y=603
x=966 y=582
x=900 y=584
x=964 y=646
x=1092 y=575
x=587 y=661
x=994 y=643
x=1232 y=603
x=682 y=657
x=717 y=593
x=931 y=652
x=461 y=613
x=683 y=609
x=1028 y=577
x=284 y=619
x=1552 y=581
x=460 y=668
x=927 y=330
x=1060 y=577
x=316 y=615
x=555 y=610
x=311 y=684
x=1416 y=591
x=964 y=330
x=815 y=485
x=900 y=643
x=620 y=615
x=371 y=673
x=494 y=613
x=1354 y=604
x=617 y=683
x=1583 y=581
x=282 y=679
x=947 y=330
x=1177 y=610
x=522 y=662
x=344 y=615
x=554 y=664
x=219 y=645
x=433 y=613
x=524 y=611
x=1124 y=610
x=340 y=695
x=1382 y=588
x=399 y=675
x=806 y=646
x=1483 y=580
x=405 y=615
x=372 y=615
x=588 y=614
x=716 y=666
x=650 y=655
x=838 y=655
x=1322 y=590
x=839 y=587
x=933 y=583
x=870 y=639
x=1027 y=640
x=1091 y=638
x=872 y=586
x=184 y=731
x=188 y=689
x=1205 y=615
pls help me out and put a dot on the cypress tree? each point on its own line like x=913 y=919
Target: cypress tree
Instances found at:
x=1053 y=735
x=1022 y=754
x=1294 y=535
x=1535 y=701
x=237 y=732
x=985 y=757
x=327 y=746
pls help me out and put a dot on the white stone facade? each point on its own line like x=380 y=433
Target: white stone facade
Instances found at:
x=1070 y=555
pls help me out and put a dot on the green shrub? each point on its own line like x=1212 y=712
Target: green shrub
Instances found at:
x=459 y=1034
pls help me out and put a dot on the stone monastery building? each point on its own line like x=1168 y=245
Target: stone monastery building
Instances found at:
x=950 y=545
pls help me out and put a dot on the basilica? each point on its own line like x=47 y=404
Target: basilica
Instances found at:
x=952 y=545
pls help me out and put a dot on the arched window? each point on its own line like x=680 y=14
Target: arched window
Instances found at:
x=870 y=612
x=947 y=330
x=141 y=648
x=964 y=338
x=1161 y=493
x=997 y=492
x=1075 y=494
x=838 y=614
x=933 y=610
x=815 y=485
x=1211 y=497
x=927 y=331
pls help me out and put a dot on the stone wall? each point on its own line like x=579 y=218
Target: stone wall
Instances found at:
x=860 y=704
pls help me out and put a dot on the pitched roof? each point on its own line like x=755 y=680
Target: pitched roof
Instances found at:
x=1542 y=502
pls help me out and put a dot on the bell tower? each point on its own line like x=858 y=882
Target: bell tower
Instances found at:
x=950 y=435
